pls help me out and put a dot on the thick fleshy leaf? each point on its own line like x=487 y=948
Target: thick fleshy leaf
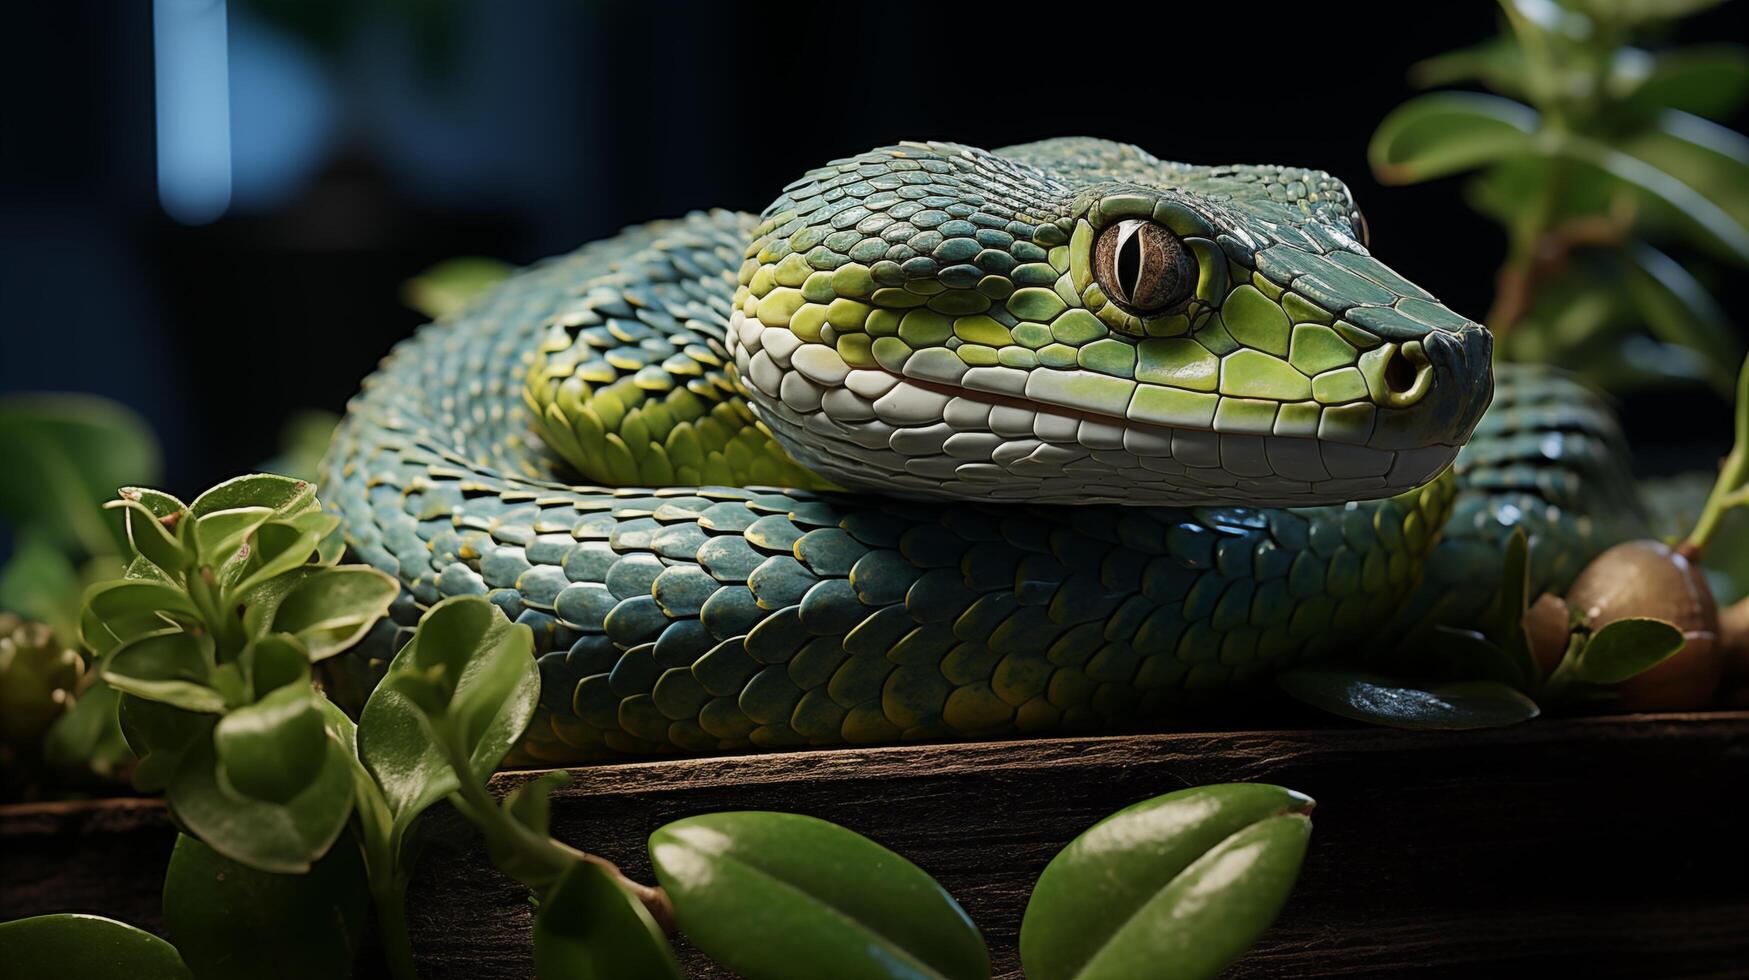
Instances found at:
x=117 y=611
x=282 y=495
x=1175 y=887
x=1447 y=132
x=65 y=455
x=216 y=535
x=331 y=609
x=161 y=736
x=168 y=666
x=87 y=947
x=1624 y=648
x=486 y=695
x=589 y=928
x=272 y=662
x=375 y=822
x=278 y=547
x=1452 y=706
x=776 y=895
x=150 y=537
x=230 y=920
x=283 y=838
x=271 y=750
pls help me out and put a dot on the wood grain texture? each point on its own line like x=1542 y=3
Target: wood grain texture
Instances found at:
x=1596 y=847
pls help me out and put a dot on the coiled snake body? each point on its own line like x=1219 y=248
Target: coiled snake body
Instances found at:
x=1070 y=439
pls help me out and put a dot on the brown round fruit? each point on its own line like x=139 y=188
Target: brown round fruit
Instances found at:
x=1648 y=578
x=1545 y=625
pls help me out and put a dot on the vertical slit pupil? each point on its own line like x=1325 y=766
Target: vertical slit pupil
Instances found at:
x=1129 y=265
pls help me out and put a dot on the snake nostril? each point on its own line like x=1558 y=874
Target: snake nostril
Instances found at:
x=1400 y=375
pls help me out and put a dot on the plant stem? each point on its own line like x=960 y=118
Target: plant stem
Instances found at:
x=1728 y=492
x=550 y=856
x=389 y=893
x=1731 y=489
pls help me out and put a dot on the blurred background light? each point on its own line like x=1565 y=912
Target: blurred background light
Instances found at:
x=191 y=66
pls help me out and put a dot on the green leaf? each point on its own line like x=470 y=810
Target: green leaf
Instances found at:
x=1175 y=887
x=150 y=538
x=1497 y=63
x=1718 y=225
x=230 y=920
x=282 y=495
x=161 y=736
x=169 y=666
x=1641 y=363
x=131 y=608
x=1710 y=158
x=486 y=697
x=528 y=805
x=87 y=947
x=1679 y=310
x=589 y=928
x=1447 y=132
x=783 y=895
x=280 y=837
x=1710 y=80
x=140 y=569
x=448 y=286
x=218 y=536
x=1466 y=655
x=272 y=662
x=1515 y=599
x=1634 y=12
x=1454 y=706
x=330 y=609
x=272 y=749
x=1625 y=648
x=375 y=828
x=278 y=547
x=65 y=455
x=39 y=582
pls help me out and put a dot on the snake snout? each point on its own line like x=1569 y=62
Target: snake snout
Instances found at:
x=1460 y=366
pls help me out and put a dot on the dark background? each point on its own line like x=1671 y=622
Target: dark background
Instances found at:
x=372 y=139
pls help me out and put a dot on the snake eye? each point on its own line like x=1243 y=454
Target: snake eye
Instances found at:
x=1362 y=230
x=1143 y=266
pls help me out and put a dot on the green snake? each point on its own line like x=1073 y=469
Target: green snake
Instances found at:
x=953 y=444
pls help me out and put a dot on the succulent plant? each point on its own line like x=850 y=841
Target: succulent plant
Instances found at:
x=38 y=677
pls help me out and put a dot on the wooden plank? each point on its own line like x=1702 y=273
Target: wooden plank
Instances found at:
x=1607 y=846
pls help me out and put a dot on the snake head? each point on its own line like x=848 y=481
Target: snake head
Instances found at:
x=1075 y=321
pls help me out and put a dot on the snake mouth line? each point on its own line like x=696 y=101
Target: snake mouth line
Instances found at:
x=1080 y=414
x=1085 y=456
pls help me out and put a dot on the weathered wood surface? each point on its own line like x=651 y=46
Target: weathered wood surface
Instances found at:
x=1594 y=847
